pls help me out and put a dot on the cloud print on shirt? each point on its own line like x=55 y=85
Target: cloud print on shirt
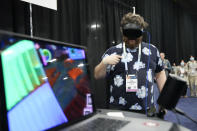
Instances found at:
x=118 y=81
x=122 y=101
x=138 y=65
x=127 y=58
x=135 y=107
x=146 y=51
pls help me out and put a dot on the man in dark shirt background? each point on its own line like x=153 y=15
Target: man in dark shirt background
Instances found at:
x=166 y=63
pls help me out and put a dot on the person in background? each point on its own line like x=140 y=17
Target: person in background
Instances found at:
x=174 y=69
x=167 y=65
x=192 y=76
x=182 y=72
x=125 y=66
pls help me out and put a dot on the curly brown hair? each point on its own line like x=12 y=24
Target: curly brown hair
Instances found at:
x=134 y=18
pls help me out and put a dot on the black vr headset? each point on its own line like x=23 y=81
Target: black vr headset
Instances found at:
x=132 y=31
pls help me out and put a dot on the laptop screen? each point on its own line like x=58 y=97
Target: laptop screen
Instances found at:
x=45 y=82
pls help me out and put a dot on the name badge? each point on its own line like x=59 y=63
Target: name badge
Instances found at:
x=131 y=83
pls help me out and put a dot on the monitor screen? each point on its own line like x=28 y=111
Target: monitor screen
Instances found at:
x=45 y=82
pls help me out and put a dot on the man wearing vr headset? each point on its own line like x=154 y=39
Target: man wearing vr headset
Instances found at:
x=131 y=67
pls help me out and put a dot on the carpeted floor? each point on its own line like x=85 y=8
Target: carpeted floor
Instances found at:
x=187 y=105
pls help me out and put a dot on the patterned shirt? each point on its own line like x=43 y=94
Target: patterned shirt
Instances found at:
x=116 y=76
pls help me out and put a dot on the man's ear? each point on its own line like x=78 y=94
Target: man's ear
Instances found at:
x=124 y=38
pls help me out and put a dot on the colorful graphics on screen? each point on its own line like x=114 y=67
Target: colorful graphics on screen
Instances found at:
x=76 y=54
x=39 y=111
x=30 y=101
x=45 y=55
x=45 y=84
x=22 y=71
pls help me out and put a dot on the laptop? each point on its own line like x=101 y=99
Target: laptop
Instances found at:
x=45 y=85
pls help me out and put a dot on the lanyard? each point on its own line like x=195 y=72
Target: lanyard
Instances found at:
x=125 y=55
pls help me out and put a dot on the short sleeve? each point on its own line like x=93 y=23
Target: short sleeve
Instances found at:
x=108 y=66
x=108 y=53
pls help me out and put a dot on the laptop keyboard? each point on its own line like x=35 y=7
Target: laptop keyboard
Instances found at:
x=101 y=124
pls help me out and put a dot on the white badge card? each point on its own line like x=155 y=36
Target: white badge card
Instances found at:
x=131 y=83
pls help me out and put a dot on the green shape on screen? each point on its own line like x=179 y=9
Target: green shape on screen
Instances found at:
x=22 y=71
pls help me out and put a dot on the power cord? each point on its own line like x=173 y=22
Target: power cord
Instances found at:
x=179 y=111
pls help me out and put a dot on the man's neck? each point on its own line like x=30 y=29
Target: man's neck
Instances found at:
x=133 y=48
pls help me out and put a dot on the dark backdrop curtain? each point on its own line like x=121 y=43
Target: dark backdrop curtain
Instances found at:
x=14 y=16
x=172 y=29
